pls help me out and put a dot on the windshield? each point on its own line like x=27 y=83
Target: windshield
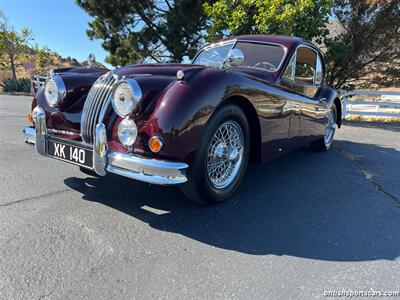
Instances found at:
x=257 y=55
x=213 y=56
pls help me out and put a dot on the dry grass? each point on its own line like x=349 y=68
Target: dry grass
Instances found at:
x=373 y=119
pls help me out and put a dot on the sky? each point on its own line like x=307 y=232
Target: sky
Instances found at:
x=58 y=24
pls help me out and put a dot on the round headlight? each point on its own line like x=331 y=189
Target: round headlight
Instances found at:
x=54 y=90
x=125 y=96
x=127 y=132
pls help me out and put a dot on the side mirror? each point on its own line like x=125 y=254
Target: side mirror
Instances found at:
x=234 y=59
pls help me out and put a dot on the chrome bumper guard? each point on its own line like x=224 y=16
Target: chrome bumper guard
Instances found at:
x=30 y=135
x=128 y=165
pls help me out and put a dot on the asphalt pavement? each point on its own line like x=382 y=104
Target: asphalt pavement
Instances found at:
x=300 y=226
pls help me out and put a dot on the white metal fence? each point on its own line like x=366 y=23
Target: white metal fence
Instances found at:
x=371 y=103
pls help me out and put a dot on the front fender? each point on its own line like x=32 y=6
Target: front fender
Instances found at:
x=183 y=110
x=67 y=115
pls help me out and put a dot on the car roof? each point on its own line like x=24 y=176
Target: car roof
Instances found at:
x=287 y=41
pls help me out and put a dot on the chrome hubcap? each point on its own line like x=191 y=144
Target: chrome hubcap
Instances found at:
x=330 y=128
x=225 y=154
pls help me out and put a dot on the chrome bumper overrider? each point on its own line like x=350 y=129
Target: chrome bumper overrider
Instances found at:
x=29 y=133
x=124 y=164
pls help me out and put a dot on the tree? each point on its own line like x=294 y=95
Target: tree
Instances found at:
x=43 y=57
x=13 y=43
x=146 y=30
x=304 y=18
x=368 y=47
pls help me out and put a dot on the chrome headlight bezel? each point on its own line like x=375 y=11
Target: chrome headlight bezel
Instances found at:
x=61 y=91
x=118 y=98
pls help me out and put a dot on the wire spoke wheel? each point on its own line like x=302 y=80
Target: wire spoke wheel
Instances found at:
x=330 y=128
x=225 y=154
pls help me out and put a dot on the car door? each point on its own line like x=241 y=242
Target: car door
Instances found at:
x=272 y=104
x=304 y=75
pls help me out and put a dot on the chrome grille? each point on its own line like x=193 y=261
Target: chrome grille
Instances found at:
x=96 y=103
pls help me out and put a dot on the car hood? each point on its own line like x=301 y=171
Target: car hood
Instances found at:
x=143 y=70
x=79 y=70
x=169 y=70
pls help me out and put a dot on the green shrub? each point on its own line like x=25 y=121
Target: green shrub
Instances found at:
x=16 y=85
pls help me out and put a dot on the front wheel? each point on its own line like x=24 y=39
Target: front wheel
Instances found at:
x=221 y=160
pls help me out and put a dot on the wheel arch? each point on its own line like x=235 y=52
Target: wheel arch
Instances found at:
x=254 y=124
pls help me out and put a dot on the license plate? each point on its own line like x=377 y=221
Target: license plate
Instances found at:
x=70 y=153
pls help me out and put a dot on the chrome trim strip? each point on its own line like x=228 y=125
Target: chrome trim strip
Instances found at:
x=140 y=75
x=30 y=135
x=62 y=131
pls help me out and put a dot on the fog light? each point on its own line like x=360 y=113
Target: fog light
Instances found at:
x=155 y=144
x=127 y=132
x=34 y=113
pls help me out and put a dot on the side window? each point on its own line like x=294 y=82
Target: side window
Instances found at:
x=289 y=72
x=319 y=74
x=306 y=63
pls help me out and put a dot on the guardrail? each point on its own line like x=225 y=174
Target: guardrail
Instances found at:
x=385 y=104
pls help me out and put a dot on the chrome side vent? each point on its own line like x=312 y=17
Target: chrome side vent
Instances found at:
x=96 y=103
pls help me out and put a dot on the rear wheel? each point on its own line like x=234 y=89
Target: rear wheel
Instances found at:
x=221 y=160
x=325 y=142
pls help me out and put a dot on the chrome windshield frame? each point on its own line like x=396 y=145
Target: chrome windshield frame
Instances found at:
x=235 y=41
x=214 y=45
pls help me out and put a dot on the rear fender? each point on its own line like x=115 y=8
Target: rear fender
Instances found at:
x=331 y=97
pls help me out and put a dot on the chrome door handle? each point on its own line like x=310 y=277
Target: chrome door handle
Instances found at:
x=322 y=100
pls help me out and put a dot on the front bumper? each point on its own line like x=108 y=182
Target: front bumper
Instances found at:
x=125 y=164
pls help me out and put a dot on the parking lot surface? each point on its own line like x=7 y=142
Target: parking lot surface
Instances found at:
x=298 y=226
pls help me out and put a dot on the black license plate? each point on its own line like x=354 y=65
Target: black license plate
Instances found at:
x=70 y=153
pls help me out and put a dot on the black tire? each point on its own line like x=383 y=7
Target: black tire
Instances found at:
x=199 y=188
x=321 y=144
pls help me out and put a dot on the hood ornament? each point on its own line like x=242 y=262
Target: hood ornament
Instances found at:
x=91 y=60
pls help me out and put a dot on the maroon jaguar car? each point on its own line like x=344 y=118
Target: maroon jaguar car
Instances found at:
x=196 y=125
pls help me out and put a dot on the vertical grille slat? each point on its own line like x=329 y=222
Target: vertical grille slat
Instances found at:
x=93 y=110
x=89 y=110
x=95 y=103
